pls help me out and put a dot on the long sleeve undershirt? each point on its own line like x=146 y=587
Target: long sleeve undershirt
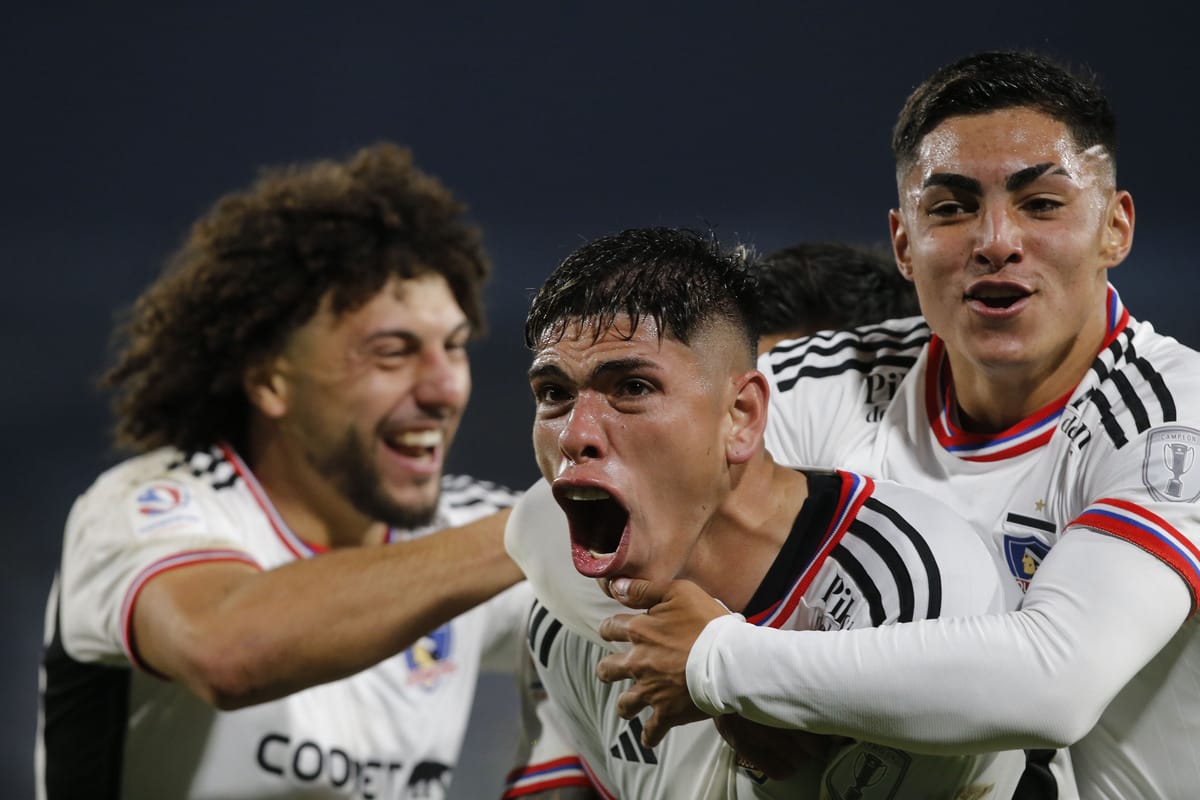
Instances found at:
x=1096 y=612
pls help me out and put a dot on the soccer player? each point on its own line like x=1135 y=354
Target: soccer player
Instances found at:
x=1039 y=408
x=248 y=607
x=637 y=337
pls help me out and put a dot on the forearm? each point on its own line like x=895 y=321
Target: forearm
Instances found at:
x=959 y=685
x=272 y=633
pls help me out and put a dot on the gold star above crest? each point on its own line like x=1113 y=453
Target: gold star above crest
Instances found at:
x=1040 y=505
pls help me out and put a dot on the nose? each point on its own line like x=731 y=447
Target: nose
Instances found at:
x=443 y=381
x=999 y=240
x=582 y=435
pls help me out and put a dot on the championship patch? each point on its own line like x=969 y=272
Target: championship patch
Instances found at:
x=161 y=497
x=429 y=659
x=163 y=504
x=866 y=771
x=1170 y=471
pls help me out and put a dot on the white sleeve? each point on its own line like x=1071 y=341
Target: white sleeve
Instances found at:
x=1096 y=612
x=538 y=539
x=118 y=537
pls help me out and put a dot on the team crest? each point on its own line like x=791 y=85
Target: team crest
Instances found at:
x=161 y=497
x=1024 y=555
x=866 y=771
x=1170 y=471
x=429 y=659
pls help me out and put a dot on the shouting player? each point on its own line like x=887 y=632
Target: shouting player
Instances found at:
x=640 y=337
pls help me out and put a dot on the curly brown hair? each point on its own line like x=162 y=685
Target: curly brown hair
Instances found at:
x=256 y=267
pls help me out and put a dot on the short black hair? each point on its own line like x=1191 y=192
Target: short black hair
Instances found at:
x=679 y=278
x=992 y=81
x=830 y=285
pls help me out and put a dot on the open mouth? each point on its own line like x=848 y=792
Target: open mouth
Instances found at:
x=998 y=297
x=417 y=445
x=599 y=527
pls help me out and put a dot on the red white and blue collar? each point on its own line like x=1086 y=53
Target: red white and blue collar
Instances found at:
x=1029 y=434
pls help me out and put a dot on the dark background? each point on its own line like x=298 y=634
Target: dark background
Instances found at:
x=556 y=122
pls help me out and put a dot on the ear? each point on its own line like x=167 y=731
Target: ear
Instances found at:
x=266 y=387
x=900 y=243
x=1118 y=229
x=748 y=415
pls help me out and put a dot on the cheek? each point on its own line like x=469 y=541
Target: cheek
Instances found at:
x=545 y=448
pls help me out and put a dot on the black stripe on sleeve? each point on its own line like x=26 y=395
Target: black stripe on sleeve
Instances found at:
x=933 y=575
x=1111 y=426
x=894 y=562
x=1157 y=385
x=1141 y=419
x=551 y=632
x=538 y=615
x=853 y=365
x=862 y=579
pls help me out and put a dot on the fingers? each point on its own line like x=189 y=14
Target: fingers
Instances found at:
x=616 y=627
x=654 y=730
x=636 y=593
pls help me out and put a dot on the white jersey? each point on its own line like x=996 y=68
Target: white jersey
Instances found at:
x=1117 y=456
x=111 y=729
x=860 y=554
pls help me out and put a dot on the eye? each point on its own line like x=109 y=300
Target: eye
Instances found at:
x=636 y=387
x=948 y=208
x=550 y=394
x=1042 y=205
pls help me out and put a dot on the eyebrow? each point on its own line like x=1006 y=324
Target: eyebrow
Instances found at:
x=953 y=180
x=414 y=337
x=549 y=370
x=1018 y=180
x=1024 y=177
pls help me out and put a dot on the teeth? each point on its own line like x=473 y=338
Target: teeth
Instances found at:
x=431 y=438
x=597 y=554
x=586 y=493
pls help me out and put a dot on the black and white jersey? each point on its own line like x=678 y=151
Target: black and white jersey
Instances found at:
x=1115 y=456
x=111 y=729
x=861 y=554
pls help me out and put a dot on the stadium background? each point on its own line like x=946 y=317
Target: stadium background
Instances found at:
x=556 y=122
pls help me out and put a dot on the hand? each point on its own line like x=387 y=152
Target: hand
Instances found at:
x=776 y=752
x=657 y=661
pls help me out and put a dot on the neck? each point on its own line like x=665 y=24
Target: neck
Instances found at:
x=312 y=508
x=994 y=397
x=745 y=534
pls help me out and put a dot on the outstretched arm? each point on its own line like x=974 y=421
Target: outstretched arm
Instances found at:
x=1097 y=611
x=236 y=636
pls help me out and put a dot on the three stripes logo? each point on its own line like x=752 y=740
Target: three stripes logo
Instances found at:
x=629 y=745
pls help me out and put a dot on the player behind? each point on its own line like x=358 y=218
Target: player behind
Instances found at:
x=815 y=286
x=1035 y=404
x=234 y=603
x=640 y=336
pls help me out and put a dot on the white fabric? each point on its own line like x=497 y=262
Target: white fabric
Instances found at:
x=391 y=731
x=1099 y=615
x=693 y=761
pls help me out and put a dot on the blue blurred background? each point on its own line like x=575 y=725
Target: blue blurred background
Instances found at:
x=556 y=122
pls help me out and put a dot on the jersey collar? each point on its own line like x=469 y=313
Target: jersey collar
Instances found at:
x=1029 y=434
x=300 y=548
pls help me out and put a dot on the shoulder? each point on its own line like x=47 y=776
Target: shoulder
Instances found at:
x=157 y=482
x=910 y=549
x=894 y=344
x=1141 y=380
